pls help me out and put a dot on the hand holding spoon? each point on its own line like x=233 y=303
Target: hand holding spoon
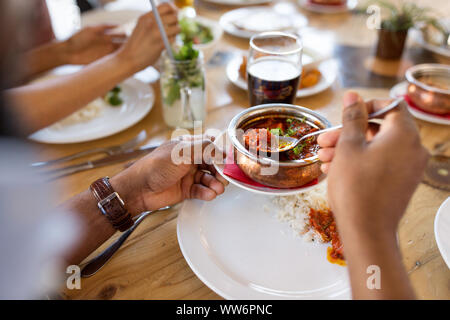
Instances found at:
x=287 y=143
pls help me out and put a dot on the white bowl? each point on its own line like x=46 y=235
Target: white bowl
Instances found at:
x=209 y=48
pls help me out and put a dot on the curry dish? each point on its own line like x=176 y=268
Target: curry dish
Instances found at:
x=261 y=133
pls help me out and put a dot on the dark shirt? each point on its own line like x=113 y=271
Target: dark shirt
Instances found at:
x=85 y=5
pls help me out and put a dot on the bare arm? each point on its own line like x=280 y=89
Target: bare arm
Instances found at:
x=372 y=175
x=151 y=183
x=43 y=58
x=84 y=47
x=38 y=105
x=368 y=248
x=43 y=103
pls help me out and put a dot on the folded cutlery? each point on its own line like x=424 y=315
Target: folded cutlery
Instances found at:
x=105 y=161
x=107 y=150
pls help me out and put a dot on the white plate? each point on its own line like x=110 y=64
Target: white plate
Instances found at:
x=138 y=100
x=238 y=2
x=400 y=90
x=442 y=230
x=241 y=251
x=318 y=8
x=417 y=36
x=219 y=141
x=283 y=10
x=327 y=68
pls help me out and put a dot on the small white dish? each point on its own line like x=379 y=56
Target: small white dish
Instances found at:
x=442 y=230
x=138 y=100
x=219 y=141
x=328 y=69
x=328 y=9
x=209 y=48
x=240 y=250
x=288 y=20
x=400 y=89
x=417 y=37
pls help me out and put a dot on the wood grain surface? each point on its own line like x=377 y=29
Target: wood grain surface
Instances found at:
x=150 y=264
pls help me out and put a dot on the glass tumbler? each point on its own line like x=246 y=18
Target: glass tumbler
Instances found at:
x=183 y=92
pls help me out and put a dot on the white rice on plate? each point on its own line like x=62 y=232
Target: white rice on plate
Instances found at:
x=92 y=110
x=295 y=210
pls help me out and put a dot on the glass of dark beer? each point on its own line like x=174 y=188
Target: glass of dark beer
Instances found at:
x=274 y=68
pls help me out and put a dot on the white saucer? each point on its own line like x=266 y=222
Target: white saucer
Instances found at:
x=400 y=90
x=283 y=11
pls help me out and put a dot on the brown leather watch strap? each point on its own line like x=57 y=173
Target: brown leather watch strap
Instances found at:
x=111 y=205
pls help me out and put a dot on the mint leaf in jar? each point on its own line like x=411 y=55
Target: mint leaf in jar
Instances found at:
x=172 y=92
x=186 y=52
x=185 y=72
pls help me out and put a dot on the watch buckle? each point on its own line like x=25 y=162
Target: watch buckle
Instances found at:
x=108 y=199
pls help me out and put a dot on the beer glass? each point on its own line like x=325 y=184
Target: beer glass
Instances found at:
x=274 y=68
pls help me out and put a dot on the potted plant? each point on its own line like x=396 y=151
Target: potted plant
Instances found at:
x=395 y=25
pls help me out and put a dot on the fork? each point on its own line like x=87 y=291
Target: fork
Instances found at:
x=107 y=150
x=100 y=260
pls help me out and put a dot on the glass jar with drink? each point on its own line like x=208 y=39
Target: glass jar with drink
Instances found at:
x=274 y=68
x=183 y=88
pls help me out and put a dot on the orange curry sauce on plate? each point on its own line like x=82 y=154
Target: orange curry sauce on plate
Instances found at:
x=261 y=133
x=323 y=222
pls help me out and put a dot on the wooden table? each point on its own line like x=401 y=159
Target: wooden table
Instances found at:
x=150 y=264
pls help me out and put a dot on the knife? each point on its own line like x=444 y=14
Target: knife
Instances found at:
x=105 y=161
x=106 y=150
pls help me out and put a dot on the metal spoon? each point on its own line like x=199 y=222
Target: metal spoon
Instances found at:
x=99 y=261
x=288 y=143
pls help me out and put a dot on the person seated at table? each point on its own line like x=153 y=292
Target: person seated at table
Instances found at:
x=372 y=175
x=43 y=103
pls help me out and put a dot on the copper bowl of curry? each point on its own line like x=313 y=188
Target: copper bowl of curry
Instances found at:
x=289 y=169
x=429 y=87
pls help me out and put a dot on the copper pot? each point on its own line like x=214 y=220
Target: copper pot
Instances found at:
x=426 y=87
x=269 y=170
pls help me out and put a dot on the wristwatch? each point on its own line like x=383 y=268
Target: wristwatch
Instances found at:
x=111 y=204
